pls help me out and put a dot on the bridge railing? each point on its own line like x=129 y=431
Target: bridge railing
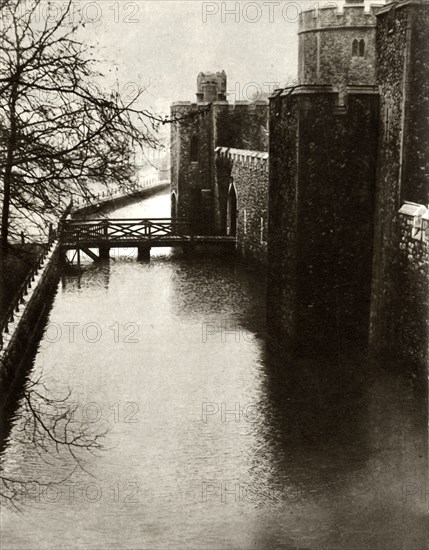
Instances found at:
x=117 y=230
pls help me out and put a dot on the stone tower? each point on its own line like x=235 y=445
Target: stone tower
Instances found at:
x=337 y=46
x=323 y=143
x=211 y=87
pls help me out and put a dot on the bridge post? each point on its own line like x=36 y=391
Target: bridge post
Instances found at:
x=143 y=253
x=104 y=249
x=104 y=252
x=188 y=248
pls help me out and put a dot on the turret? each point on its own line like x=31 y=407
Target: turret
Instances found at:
x=337 y=44
x=211 y=87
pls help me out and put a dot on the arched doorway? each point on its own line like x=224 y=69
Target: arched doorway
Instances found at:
x=173 y=205
x=232 y=211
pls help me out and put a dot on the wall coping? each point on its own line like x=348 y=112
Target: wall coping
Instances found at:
x=413 y=209
x=244 y=156
x=420 y=220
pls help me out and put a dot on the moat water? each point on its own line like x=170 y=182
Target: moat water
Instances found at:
x=200 y=438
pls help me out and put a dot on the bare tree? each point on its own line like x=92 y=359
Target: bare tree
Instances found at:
x=58 y=132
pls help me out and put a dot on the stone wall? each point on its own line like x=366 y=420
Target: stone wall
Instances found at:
x=403 y=163
x=413 y=259
x=245 y=174
x=282 y=222
x=322 y=183
x=243 y=125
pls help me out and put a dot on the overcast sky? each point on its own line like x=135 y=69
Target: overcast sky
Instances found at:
x=167 y=43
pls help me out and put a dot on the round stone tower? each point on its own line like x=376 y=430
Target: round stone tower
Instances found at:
x=337 y=44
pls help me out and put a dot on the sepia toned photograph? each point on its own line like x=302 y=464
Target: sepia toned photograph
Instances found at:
x=214 y=274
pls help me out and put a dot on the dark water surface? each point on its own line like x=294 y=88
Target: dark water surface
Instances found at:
x=209 y=441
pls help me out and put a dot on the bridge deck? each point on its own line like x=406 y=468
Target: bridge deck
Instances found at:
x=165 y=240
x=124 y=233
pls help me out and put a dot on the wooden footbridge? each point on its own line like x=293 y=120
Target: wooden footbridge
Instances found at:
x=143 y=234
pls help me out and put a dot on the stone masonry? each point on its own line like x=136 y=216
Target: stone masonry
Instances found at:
x=242 y=179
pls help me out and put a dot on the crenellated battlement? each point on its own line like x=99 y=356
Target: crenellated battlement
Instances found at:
x=349 y=15
x=244 y=156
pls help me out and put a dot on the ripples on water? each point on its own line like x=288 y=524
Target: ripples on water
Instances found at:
x=210 y=440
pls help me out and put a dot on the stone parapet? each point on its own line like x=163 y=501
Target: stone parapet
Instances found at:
x=243 y=156
x=334 y=17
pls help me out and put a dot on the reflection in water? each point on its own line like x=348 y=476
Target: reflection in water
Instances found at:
x=91 y=276
x=46 y=430
x=213 y=440
x=348 y=437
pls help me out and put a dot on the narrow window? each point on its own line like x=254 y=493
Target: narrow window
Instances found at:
x=355 y=48
x=173 y=205
x=362 y=48
x=194 y=149
x=245 y=222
